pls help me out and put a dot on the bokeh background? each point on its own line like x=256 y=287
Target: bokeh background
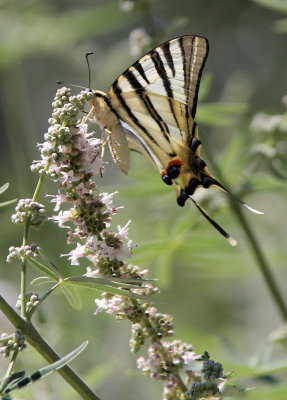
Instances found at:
x=216 y=293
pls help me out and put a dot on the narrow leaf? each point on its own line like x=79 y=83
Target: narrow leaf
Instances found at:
x=6 y=203
x=40 y=281
x=89 y=283
x=276 y=5
x=4 y=187
x=14 y=377
x=43 y=372
x=73 y=296
x=46 y=270
x=101 y=281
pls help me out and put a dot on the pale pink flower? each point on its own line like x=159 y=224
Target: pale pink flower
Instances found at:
x=58 y=199
x=123 y=231
x=188 y=357
x=62 y=217
x=141 y=362
x=78 y=252
x=92 y=273
x=68 y=178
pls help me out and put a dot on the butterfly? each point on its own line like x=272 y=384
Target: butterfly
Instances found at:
x=151 y=109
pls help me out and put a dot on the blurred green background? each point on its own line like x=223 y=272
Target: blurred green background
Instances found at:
x=215 y=293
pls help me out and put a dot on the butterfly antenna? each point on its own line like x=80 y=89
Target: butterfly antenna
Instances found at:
x=235 y=198
x=230 y=239
x=70 y=84
x=88 y=64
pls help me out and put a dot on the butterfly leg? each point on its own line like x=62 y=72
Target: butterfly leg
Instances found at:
x=86 y=118
x=106 y=134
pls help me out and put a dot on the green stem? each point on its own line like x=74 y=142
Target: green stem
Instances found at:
x=39 y=184
x=23 y=288
x=35 y=340
x=24 y=243
x=258 y=254
x=11 y=364
x=261 y=261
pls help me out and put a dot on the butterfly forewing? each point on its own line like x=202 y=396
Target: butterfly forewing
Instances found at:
x=172 y=69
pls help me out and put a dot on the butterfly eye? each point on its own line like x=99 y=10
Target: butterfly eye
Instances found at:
x=173 y=171
x=166 y=179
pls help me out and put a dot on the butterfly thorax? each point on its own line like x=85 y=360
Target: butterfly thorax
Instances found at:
x=102 y=111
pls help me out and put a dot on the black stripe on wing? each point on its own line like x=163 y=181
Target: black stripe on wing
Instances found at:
x=117 y=91
x=168 y=56
x=140 y=92
x=165 y=80
x=140 y=70
x=187 y=60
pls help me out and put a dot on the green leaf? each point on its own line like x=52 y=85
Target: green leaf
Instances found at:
x=7 y=203
x=129 y=281
x=230 y=390
x=205 y=86
x=95 y=284
x=40 y=31
x=219 y=114
x=73 y=296
x=41 y=280
x=43 y=372
x=164 y=265
x=4 y=187
x=276 y=5
x=46 y=270
x=280 y=26
x=14 y=377
x=103 y=281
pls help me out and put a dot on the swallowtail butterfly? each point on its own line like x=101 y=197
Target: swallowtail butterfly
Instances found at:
x=151 y=109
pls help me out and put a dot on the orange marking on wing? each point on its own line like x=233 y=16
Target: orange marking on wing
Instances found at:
x=174 y=162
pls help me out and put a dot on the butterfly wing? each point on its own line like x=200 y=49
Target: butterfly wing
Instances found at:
x=156 y=98
x=172 y=69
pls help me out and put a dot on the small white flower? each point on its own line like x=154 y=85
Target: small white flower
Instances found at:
x=78 y=252
x=62 y=217
x=126 y=6
x=188 y=357
x=123 y=231
x=58 y=199
x=68 y=178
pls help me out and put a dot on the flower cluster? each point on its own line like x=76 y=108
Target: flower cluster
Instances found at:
x=126 y=5
x=16 y=253
x=274 y=149
x=14 y=342
x=29 y=210
x=32 y=301
x=72 y=156
x=139 y=40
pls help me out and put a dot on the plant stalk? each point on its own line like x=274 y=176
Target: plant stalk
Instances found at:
x=34 y=339
x=258 y=254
